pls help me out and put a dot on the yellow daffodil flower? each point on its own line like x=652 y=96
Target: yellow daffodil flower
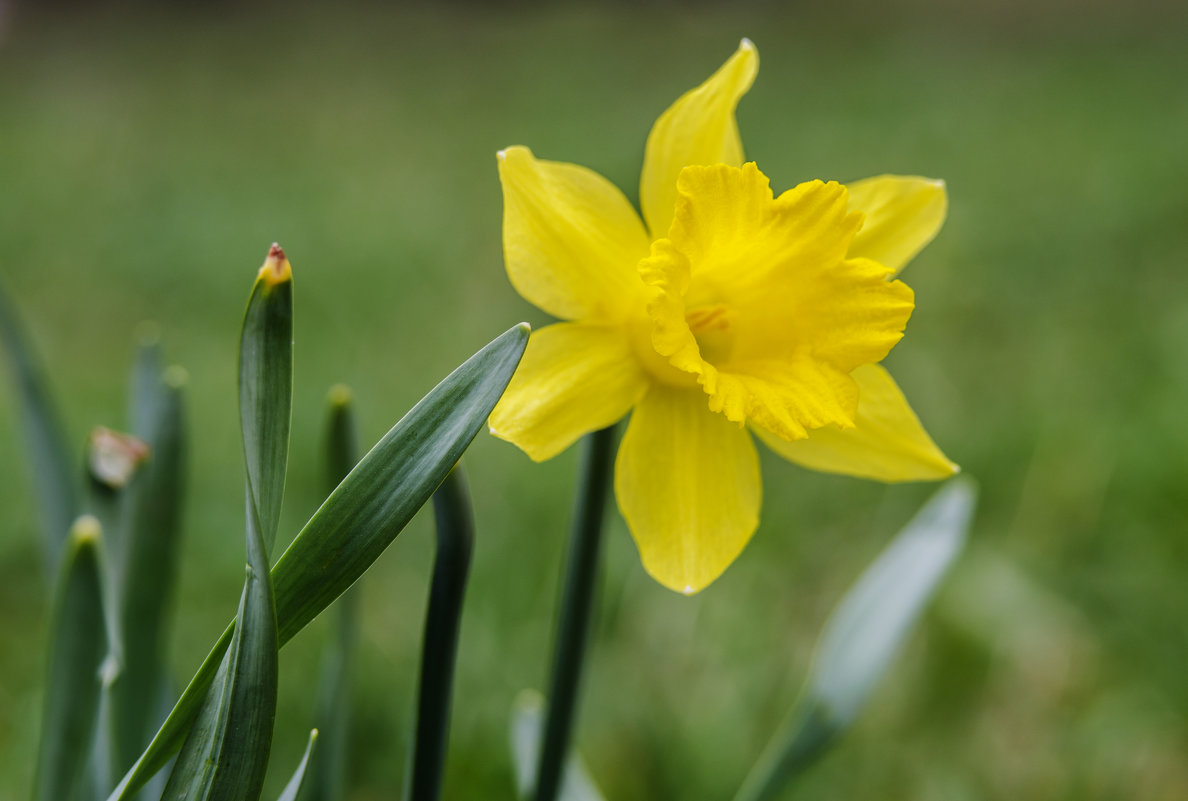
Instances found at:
x=725 y=311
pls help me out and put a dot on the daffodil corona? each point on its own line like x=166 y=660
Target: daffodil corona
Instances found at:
x=725 y=311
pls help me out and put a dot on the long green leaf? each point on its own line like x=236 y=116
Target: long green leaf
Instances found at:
x=144 y=385
x=863 y=635
x=869 y=626
x=443 y=618
x=266 y=387
x=360 y=518
x=147 y=562
x=78 y=645
x=53 y=469
x=298 y=779
x=326 y=776
x=225 y=755
x=526 y=728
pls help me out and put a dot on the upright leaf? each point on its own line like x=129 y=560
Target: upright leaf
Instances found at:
x=443 y=618
x=77 y=648
x=147 y=562
x=863 y=635
x=52 y=467
x=266 y=387
x=144 y=385
x=225 y=755
x=360 y=518
x=325 y=779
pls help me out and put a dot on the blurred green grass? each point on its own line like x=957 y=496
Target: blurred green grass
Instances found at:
x=148 y=158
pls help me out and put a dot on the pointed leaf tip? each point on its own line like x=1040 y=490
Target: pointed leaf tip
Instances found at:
x=276 y=268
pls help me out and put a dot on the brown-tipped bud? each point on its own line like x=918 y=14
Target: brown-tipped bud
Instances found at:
x=276 y=269
x=113 y=458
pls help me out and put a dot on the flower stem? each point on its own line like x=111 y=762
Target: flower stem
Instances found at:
x=804 y=736
x=455 y=542
x=577 y=601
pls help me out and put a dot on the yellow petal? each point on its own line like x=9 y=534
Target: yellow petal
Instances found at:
x=573 y=379
x=571 y=240
x=699 y=128
x=903 y=214
x=753 y=295
x=687 y=481
x=887 y=442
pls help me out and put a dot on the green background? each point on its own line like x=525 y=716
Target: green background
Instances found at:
x=149 y=155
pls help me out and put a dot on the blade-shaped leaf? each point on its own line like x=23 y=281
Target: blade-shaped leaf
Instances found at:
x=867 y=628
x=443 y=618
x=526 y=726
x=52 y=468
x=360 y=518
x=144 y=386
x=326 y=775
x=147 y=563
x=298 y=779
x=266 y=387
x=862 y=637
x=77 y=648
x=225 y=755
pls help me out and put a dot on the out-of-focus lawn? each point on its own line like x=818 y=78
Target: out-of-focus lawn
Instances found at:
x=147 y=161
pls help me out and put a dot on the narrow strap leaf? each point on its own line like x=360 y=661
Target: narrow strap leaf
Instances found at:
x=326 y=776
x=77 y=647
x=455 y=544
x=225 y=755
x=52 y=468
x=526 y=725
x=298 y=779
x=147 y=563
x=144 y=385
x=863 y=635
x=359 y=519
x=266 y=387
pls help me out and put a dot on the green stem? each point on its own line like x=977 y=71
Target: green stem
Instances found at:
x=455 y=543
x=805 y=735
x=577 y=602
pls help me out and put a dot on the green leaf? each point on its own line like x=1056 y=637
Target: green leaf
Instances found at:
x=360 y=518
x=298 y=780
x=144 y=386
x=863 y=635
x=225 y=755
x=869 y=626
x=52 y=467
x=342 y=436
x=443 y=618
x=77 y=648
x=147 y=562
x=526 y=725
x=326 y=779
x=266 y=388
